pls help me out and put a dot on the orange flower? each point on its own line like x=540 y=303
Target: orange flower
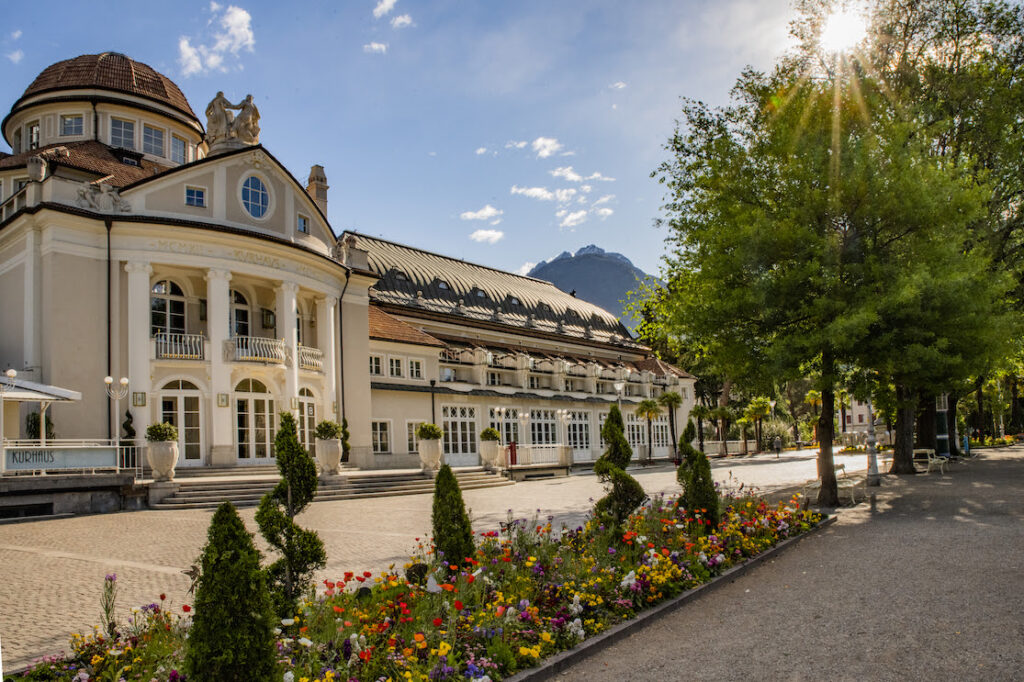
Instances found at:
x=448 y=587
x=419 y=637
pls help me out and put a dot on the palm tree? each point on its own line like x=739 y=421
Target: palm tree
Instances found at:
x=671 y=401
x=743 y=422
x=723 y=415
x=760 y=408
x=648 y=409
x=700 y=412
x=813 y=398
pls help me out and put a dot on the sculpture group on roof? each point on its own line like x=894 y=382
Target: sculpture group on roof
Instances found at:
x=222 y=125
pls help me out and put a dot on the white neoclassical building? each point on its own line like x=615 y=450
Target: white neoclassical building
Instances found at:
x=137 y=242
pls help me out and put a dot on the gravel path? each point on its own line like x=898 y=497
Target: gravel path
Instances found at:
x=926 y=583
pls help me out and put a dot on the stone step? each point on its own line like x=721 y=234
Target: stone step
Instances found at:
x=253 y=488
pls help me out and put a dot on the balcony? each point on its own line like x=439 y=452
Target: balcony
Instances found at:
x=179 y=346
x=311 y=359
x=256 y=349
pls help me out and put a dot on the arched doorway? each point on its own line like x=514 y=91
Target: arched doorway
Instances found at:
x=255 y=422
x=307 y=419
x=181 y=405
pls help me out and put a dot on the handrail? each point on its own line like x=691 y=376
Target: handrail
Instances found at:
x=173 y=346
x=311 y=358
x=257 y=349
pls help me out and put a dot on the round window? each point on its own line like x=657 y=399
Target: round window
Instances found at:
x=255 y=197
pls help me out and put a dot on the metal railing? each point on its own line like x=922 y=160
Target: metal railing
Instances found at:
x=541 y=454
x=130 y=457
x=257 y=349
x=311 y=358
x=171 y=346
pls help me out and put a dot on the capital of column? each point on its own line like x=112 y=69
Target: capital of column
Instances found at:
x=138 y=266
x=214 y=273
x=290 y=288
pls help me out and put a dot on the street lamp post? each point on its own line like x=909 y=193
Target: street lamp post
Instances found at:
x=116 y=392
x=619 y=385
x=873 y=478
x=12 y=375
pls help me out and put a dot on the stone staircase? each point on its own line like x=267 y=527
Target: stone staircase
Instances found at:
x=247 y=489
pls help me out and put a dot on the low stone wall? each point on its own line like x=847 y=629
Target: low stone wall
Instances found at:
x=69 y=494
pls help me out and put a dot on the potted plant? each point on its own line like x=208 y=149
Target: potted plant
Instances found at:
x=162 y=453
x=490 y=447
x=429 y=437
x=328 y=446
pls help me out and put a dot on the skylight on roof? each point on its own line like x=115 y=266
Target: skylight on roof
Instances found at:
x=441 y=284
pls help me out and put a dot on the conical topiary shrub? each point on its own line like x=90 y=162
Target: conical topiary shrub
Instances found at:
x=699 y=494
x=232 y=636
x=624 y=493
x=453 y=534
x=687 y=454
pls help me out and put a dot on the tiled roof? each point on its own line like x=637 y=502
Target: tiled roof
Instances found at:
x=417 y=279
x=658 y=367
x=388 y=328
x=89 y=156
x=110 y=71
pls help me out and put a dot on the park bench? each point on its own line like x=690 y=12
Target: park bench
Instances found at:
x=926 y=457
x=843 y=482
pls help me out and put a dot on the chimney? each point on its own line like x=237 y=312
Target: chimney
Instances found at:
x=317 y=188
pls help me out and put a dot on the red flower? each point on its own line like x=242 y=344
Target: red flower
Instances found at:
x=458 y=605
x=162 y=596
x=437 y=622
x=186 y=608
x=470 y=579
x=367 y=574
x=360 y=578
x=338 y=609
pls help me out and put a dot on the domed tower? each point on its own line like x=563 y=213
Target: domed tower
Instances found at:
x=111 y=99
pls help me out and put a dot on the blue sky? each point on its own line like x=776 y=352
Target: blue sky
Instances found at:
x=498 y=132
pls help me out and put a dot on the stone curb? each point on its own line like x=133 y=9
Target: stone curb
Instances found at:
x=593 y=645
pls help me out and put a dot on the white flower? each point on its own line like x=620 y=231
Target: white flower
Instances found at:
x=289 y=676
x=277 y=631
x=629 y=580
x=575 y=608
x=287 y=621
x=305 y=641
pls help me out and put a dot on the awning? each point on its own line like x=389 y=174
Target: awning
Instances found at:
x=21 y=391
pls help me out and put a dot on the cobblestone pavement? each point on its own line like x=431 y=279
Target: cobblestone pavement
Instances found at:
x=924 y=584
x=53 y=569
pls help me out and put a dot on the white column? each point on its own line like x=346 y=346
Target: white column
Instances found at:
x=138 y=342
x=286 y=311
x=325 y=340
x=218 y=322
x=30 y=345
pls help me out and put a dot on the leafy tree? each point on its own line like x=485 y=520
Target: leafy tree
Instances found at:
x=700 y=413
x=624 y=493
x=453 y=533
x=760 y=407
x=649 y=409
x=302 y=551
x=671 y=401
x=231 y=637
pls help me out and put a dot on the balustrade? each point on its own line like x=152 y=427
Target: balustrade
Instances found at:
x=179 y=346
x=256 y=349
x=311 y=358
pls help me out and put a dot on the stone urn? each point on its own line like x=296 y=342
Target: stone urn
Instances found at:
x=430 y=453
x=328 y=455
x=162 y=457
x=490 y=453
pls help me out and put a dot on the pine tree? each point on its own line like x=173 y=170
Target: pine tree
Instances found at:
x=453 y=534
x=232 y=636
x=302 y=551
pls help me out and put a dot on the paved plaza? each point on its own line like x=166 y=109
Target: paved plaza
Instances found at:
x=53 y=569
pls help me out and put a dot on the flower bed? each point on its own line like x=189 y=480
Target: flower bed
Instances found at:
x=528 y=592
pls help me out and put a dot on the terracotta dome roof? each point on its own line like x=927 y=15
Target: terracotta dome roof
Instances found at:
x=110 y=71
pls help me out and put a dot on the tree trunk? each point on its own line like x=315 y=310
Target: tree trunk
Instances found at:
x=954 y=445
x=903 y=450
x=723 y=401
x=979 y=385
x=672 y=430
x=743 y=445
x=842 y=415
x=796 y=432
x=828 y=493
x=1015 y=418
x=926 y=421
x=700 y=434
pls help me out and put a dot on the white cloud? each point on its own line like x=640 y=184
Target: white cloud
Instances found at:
x=586 y=189
x=401 y=21
x=525 y=268
x=208 y=53
x=572 y=176
x=565 y=195
x=598 y=176
x=545 y=146
x=486 y=213
x=604 y=200
x=481 y=150
x=15 y=56
x=604 y=212
x=573 y=219
x=383 y=7
x=617 y=85
x=514 y=144
x=16 y=34
x=375 y=48
x=489 y=236
x=542 y=193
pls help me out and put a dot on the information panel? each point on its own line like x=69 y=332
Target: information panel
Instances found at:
x=56 y=458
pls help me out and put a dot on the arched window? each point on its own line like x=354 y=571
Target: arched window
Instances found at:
x=167 y=308
x=239 y=314
x=255 y=197
x=307 y=418
x=255 y=421
x=180 y=406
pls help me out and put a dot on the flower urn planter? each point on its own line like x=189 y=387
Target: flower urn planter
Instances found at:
x=490 y=453
x=162 y=457
x=430 y=453
x=328 y=455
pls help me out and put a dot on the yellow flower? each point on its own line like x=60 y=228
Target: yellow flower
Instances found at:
x=96 y=659
x=546 y=636
x=443 y=648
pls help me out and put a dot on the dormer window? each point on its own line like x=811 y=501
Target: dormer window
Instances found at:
x=513 y=300
x=302 y=224
x=401 y=276
x=441 y=284
x=178 y=149
x=71 y=125
x=122 y=134
x=480 y=293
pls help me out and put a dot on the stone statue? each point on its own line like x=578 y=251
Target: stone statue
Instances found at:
x=219 y=119
x=102 y=197
x=246 y=126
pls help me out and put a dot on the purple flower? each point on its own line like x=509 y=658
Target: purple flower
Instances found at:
x=111 y=577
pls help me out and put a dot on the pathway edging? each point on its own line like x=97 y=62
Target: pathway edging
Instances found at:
x=593 y=645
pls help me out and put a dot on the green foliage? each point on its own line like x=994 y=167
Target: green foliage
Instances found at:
x=624 y=493
x=232 y=635
x=162 y=432
x=302 y=551
x=490 y=433
x=346 y=448
x=687 y=453
x=699 y=490
x=32 y=426
x=773 y=428
x=689 y=433
x=453 y=534
x=328 y=430
x=428 y=431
